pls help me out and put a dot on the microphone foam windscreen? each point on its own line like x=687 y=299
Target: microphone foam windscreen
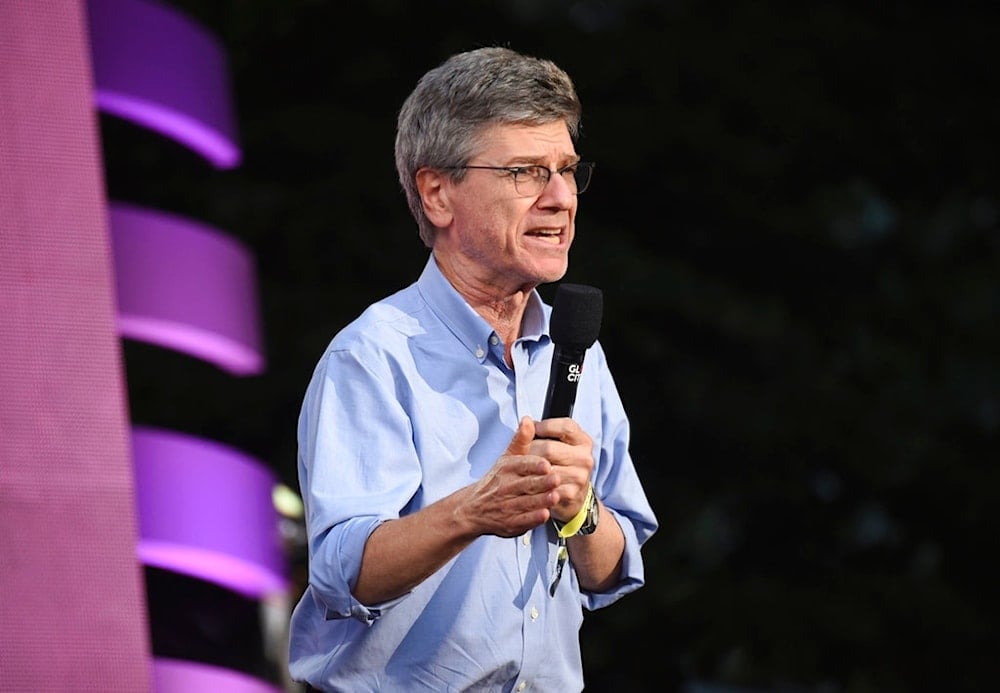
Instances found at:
x=576 y=315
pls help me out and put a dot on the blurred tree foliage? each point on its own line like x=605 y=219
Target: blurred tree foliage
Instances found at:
x=795 y=222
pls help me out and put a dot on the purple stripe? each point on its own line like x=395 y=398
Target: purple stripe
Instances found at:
x=206 y=510
x=187 y=286
x=158 y=68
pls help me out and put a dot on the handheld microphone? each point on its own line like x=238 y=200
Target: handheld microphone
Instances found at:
x=574 y=326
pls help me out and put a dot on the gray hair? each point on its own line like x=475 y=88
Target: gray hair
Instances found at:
x=441 y=120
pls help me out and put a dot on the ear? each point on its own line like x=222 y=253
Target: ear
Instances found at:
x=433 y=188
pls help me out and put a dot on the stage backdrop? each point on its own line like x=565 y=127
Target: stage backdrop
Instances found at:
x=73 y=610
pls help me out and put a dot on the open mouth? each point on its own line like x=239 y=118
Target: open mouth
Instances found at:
x=550 y=234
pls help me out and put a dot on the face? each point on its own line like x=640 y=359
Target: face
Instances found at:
x=496 y=240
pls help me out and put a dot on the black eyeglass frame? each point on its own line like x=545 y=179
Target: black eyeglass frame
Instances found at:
x=514 y=171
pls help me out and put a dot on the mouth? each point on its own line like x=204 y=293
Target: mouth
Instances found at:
x=552 y=236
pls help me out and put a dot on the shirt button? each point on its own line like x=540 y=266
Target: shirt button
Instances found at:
x=534 y=613
x=521 y=686
x=479 y=352
x=526 y=539
x=494 y=340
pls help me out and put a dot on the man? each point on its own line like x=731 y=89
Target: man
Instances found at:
x=439 y=507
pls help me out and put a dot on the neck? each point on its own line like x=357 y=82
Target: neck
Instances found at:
x=502 y=307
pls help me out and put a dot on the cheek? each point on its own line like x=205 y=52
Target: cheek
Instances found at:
x=497 y=220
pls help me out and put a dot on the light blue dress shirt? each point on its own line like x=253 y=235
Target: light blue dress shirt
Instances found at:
x=409 y=403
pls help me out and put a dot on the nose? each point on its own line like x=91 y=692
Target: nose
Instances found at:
x=557 y=193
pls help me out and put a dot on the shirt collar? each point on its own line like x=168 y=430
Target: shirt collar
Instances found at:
x=465 y=323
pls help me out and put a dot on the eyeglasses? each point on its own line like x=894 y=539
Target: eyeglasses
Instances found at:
x=531 y=180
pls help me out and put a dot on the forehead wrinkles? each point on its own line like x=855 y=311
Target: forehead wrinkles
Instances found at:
x=528 y=143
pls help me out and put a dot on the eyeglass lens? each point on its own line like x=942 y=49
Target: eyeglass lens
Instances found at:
x=533 y=179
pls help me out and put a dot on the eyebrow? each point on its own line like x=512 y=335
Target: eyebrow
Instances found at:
x=539 y=161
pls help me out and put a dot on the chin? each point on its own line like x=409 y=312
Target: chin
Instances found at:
x=554 y=274
x=544 y=272
x=549 y=279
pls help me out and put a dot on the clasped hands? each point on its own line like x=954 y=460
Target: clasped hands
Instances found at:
x=544 y=473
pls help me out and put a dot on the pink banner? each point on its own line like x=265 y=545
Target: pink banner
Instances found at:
x=73 y=613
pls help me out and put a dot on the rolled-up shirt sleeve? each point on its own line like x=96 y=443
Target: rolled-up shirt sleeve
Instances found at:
x=617 y=483
x=357 y=469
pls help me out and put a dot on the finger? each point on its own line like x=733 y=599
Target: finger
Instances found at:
x=521 y=442
x=541 y=484
x=565 y=429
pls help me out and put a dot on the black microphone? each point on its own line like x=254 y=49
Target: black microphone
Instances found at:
x=574 y=325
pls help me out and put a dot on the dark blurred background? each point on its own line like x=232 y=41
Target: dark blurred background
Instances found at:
x=794 y=220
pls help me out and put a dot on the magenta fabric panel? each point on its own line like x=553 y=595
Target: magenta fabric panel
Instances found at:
x=161 y=70
x=186 y=286
x=176 y=676
x=206 y=510
x=73 y=612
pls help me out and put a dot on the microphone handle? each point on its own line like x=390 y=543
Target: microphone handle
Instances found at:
x=567 y=367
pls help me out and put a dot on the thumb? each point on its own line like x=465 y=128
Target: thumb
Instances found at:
x=525 y=433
